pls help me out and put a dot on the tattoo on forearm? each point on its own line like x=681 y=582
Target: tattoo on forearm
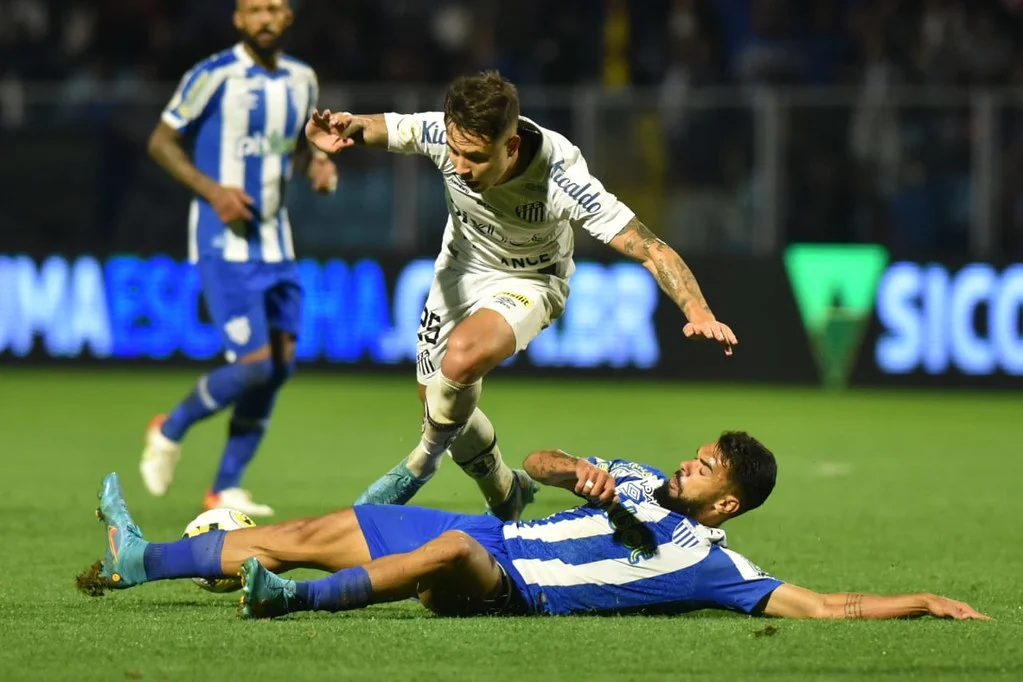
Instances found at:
x=854 y=606
x=673 y=275
x=552 y=463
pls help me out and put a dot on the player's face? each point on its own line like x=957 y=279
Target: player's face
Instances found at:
x=481 y=164
x=262 y=23
x=701 y=483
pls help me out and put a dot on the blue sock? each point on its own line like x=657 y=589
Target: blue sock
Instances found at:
x=215 y=391
x=246 y=429
x=243 y=437
x=197 y=557
x=347 y=589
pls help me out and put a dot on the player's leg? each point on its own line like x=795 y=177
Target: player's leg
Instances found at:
x=449 y=301
x=330 y=543
x=521 y=308
x=251 y=417
x=452 y=575
x=235 y=303
x=450 y=390
x=470 y=325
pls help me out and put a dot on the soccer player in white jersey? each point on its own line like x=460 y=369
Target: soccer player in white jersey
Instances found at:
x=243 y=113
x=644 y=542
x=515 y=192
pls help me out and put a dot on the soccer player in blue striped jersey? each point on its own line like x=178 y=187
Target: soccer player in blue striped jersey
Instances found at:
x=644 y=542
x=242 y=111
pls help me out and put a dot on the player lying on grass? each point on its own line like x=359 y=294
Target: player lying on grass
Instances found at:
x=643 y=542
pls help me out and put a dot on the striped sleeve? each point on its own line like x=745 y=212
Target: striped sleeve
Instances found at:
x=192 y=98
x=730 y=581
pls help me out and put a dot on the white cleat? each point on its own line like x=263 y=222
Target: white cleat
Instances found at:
x=239 y=500
x=159 y=459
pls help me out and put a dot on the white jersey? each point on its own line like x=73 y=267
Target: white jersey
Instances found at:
x=525 y=224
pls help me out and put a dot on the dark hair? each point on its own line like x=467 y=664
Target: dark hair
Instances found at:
x=484 y=105
x=752 y=468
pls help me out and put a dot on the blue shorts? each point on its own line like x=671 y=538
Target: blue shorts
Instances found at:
x=246 y=300
x=392 y=529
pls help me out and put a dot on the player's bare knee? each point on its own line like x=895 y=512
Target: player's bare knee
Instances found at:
x=455 y=550
x=463 y=358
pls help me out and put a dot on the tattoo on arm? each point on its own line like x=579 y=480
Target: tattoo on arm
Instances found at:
x=673 y=275
x=854 y=606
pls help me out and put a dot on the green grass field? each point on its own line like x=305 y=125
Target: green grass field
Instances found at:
x=886 y=492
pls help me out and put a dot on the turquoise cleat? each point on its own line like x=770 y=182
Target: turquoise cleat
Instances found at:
x=522 y=493
x=397 y=486
x=265 y=594
x=124 y=565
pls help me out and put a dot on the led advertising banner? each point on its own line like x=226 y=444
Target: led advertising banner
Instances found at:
x=364 y=313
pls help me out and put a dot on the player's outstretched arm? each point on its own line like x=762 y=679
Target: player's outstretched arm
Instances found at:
x=558 y=468
x=331 y=132
x=791 y=601
x=675 y=279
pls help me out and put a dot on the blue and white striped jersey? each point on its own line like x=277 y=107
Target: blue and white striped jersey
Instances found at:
x=641 y=558
x=246 y=122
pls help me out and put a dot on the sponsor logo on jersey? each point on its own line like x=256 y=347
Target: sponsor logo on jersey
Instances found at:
x=265 y=145
x=525 y=262
x=511 y=300
x=583 y=194
x=631 y=532
x=433 y=133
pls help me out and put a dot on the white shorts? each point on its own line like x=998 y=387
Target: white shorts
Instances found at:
x=529 y=302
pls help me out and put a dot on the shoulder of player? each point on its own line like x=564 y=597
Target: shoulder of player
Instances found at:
x=568 y=175
x=426 y=127
x=218 y=61
x=297 y=67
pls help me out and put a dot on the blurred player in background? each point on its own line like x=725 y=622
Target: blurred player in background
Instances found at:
x=515 y=192
x=243 y=112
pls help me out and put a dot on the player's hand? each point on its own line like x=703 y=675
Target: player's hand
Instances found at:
x=323 y=175
x=231 y=203
x=594 y=483
x=943 y=607
x=330 y=132
x=710 y=328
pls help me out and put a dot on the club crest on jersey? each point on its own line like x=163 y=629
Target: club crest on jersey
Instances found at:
x=535 y=212
x=238 y=330
x=684 y=537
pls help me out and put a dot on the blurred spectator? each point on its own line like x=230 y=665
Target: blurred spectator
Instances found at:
x=858 y=163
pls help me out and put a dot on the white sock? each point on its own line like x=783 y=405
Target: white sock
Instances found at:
x=422 y=465
x=476 y=451
x=449 y=405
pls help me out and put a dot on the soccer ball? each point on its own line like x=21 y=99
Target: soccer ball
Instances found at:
x=217 y=519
